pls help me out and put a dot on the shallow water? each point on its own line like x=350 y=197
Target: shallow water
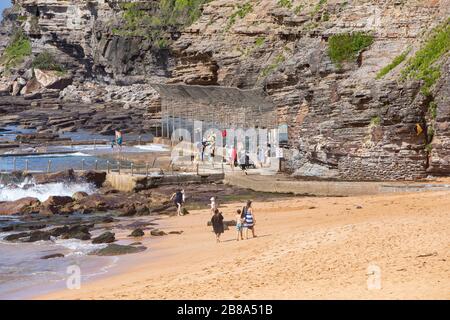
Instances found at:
x=24 y=274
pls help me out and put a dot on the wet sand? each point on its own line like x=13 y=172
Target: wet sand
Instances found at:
x=307 y=248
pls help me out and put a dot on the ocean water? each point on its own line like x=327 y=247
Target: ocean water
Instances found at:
x=23 y=274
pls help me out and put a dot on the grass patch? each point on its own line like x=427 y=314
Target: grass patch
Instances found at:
x=18 y=48
x=271 y=67
x=375 y=121
x=318 y=7
x=432 y=110
x=346 y=46
x=142 y=20
x=298 y=9
x=285 y=3
x=46 y=61
x=259 y=42
x=397 y=60
x=422 y=66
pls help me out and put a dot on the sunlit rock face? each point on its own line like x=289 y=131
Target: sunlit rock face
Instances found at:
x=343 y=121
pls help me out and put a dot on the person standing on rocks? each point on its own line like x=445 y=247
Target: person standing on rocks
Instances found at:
x=217 y=224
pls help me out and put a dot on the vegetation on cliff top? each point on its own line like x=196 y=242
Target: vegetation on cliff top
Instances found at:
x=346 y=46
x=423 y=65
x=18 y=48
x=142 y=20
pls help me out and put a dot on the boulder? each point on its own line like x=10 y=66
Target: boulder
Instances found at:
x=176 y=232
x=106 y=237
x=80 y=232
x=58 y=231
x=52 y=256
x=58 y=201
x=142 y=210
x=26 y=205
x=52 y=79
x=79 y=195
x=16 y=236
x=128 y=210
x=95 y=177
x=137 y=233
x=32 y=86
x=61 y=176
x=117 y=249
x=38 y=236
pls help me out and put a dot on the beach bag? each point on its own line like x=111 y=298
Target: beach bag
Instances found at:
x=244 y=212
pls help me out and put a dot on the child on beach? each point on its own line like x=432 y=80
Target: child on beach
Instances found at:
x=239 y=225
x=217 y=224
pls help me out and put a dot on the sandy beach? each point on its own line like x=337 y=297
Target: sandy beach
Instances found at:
x=307 y=248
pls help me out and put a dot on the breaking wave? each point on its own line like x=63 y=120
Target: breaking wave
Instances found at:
x=28 y=188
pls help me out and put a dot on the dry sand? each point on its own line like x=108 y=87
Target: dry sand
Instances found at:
x=307 y=248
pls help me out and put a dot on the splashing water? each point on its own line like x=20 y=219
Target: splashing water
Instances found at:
x=28 y=188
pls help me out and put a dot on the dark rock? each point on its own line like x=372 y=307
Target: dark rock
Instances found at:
x=39 y=236
x=135 y=244
x=137 y=233
x=57 y=201
x=52 y=256
x=61 y=176
x=58 y=231
x=16 y=236
x=106 y=237
x=128 y=210
x=22 y=206
x=95 y=177
x=116 y=249
x=80 y=232
x=142 y=211
x=176 y=232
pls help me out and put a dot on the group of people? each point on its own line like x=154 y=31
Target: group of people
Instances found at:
x=245 y=219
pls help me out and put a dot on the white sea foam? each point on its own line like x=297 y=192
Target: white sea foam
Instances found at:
x=42 y=191
x=78 y=247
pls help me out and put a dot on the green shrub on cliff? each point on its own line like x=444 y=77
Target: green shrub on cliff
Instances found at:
x=397 y=60
x=18 y=48
x=346 y=46
x=46 y=61
x=156 y=23
x=285 y=3
x=423 y=65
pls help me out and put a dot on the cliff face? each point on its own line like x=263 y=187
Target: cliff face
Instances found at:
x=344 y=120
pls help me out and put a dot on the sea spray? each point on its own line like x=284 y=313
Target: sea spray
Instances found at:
x=28 y=188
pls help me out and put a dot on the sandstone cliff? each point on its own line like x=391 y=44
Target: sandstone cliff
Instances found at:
x=346 y=120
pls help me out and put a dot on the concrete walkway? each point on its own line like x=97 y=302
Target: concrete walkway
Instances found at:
x=284 y=184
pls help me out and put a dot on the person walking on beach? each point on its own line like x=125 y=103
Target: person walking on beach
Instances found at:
x=178 y=199
x=119 y=139
x=249 y=219
x=239 y=225
x=217 y=224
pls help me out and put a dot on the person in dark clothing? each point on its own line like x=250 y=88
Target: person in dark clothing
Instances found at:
x=217 y=224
